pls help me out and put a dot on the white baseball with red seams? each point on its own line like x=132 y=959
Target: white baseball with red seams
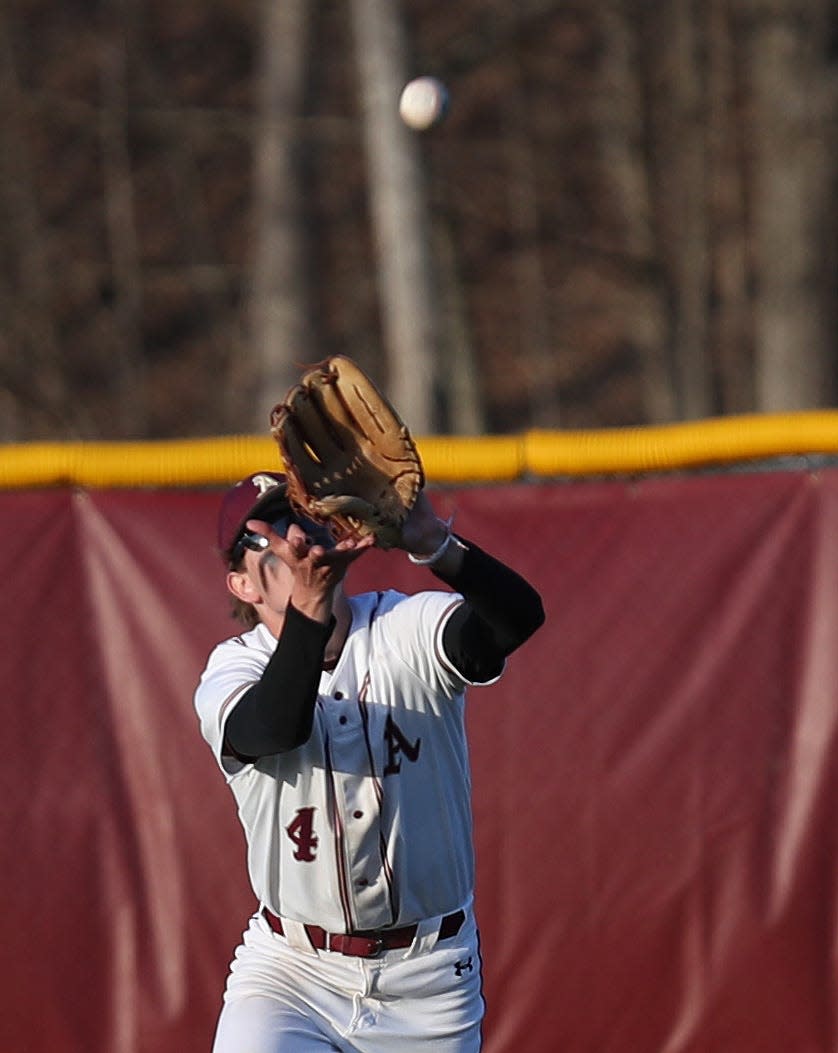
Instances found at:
x=423 y=103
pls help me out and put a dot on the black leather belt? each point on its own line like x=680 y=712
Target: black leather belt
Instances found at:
x=368 y=943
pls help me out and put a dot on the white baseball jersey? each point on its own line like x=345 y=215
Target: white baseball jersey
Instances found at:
x=368 y=824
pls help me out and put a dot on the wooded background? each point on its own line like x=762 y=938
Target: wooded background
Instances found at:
x=627 y=218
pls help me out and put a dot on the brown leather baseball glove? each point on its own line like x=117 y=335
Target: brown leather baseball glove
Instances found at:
x=350 y=459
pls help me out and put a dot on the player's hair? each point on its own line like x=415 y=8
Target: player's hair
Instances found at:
x=245 y=613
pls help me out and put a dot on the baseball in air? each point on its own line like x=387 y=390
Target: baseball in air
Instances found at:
x=423 y=103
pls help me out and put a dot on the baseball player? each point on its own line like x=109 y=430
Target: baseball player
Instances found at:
x=337 y=721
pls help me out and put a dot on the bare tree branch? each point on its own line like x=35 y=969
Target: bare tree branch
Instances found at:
x=279 y=310
x=619 y=121
x=537 y=342
x=29 y=314
x=793 y=103
x=129 y=368
x=398 y=195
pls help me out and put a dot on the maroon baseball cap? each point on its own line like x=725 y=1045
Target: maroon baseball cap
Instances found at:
x=262 y=495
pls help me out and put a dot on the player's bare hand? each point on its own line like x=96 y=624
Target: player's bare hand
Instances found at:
x=310 y=548
x=330 y=560
x=315 y=563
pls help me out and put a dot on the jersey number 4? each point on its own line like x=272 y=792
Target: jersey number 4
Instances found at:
x=301 y=832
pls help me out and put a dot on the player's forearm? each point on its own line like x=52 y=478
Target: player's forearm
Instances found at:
x=508 y=606
x=315 y=605
x=277 y=713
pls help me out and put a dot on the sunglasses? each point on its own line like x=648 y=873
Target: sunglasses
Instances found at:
x=257 y=543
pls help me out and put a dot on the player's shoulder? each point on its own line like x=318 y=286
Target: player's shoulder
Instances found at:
x=255 y=641
x=385 y=600
x=392 y=609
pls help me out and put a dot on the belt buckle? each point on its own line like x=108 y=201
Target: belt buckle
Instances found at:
x=376 y=946
x=354 y=945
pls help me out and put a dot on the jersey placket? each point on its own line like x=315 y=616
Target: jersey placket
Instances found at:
x=357 y=801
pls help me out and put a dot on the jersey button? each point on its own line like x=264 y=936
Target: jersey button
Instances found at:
x=358 y=815
x=342 y=720
x=363 y=882
x=338 y=695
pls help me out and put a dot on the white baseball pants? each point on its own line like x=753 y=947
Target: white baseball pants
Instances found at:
x=283 y=996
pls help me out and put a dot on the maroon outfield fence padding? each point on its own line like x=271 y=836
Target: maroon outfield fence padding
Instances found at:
x=656 y=787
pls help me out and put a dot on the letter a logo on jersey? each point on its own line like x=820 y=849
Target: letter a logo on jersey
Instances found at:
x=397 y=744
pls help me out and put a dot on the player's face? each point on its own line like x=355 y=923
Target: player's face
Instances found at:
x=270 y=577
x=262 y=577
x=318 y=535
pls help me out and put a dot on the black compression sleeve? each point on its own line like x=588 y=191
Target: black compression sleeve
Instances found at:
x=276 y=714
x=501 y=611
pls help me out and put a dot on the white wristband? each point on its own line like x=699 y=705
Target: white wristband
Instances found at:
x=426 y=561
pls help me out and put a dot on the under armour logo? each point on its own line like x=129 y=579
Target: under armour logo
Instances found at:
x=460 y=967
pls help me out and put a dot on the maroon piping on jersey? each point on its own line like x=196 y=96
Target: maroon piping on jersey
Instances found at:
x=340 y=842
x=379 y=796
x=439 y=652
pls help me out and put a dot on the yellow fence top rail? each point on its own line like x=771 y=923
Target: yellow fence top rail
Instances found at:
x=447 y=459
